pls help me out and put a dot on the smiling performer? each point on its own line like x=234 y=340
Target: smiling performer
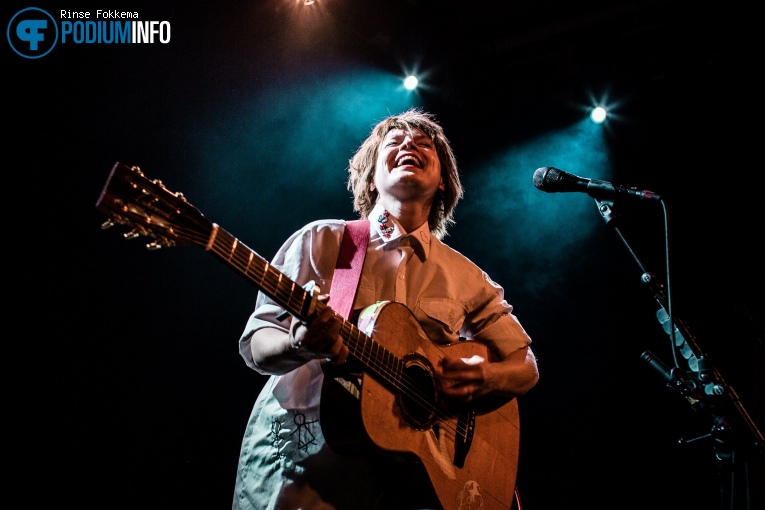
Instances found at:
x=405 y=182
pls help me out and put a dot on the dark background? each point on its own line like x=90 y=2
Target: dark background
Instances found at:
x=125 y=388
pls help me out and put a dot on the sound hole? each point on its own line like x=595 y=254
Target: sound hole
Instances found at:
x=417 y=398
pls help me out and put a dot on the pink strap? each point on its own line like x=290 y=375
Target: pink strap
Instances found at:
x=348 y=269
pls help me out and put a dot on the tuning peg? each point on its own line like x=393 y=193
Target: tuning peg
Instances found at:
x=159 y=243
x=136 y=232
x=107 y=224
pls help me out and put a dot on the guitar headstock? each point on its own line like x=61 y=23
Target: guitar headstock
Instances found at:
x=150 y=209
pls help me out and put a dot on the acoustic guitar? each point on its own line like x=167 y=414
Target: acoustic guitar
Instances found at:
x=470 y=455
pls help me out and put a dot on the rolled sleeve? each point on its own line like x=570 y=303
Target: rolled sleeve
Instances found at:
x=308 y=254
x=505 y=335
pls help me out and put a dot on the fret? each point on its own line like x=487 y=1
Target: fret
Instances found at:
x=233 y=248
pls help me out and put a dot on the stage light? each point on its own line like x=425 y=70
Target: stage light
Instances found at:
x=410 y=82
x=598 y=114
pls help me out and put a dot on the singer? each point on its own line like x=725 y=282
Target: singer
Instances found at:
x=405 y=183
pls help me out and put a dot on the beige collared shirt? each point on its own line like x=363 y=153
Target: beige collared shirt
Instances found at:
x=451 y=297
x=284 y=455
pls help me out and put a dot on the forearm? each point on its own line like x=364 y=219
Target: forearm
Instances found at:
x=485 y=385
x=515 y=375
x=274 y=351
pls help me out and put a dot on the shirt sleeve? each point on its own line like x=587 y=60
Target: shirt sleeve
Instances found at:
x=494 y=324
x=308 y=254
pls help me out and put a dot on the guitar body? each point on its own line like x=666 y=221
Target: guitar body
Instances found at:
x=483 y=476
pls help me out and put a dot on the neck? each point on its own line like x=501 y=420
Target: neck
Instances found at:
x=410 y=215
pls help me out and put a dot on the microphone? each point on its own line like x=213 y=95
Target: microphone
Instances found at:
x=552 y=180
x=677 y=380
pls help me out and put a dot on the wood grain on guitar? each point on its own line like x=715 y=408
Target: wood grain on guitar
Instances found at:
x=470 y=457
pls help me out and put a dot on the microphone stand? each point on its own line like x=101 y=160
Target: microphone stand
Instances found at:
x=701 y=384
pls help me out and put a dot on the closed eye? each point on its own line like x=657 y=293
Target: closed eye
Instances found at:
x=420 y=141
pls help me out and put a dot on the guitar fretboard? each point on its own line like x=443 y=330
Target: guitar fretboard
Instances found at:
x=299 y=302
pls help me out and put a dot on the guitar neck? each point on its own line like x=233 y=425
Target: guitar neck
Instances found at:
x=170 y=220
x=301 y=303
x=291 y=296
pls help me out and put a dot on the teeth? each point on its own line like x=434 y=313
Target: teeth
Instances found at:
x=409 y=160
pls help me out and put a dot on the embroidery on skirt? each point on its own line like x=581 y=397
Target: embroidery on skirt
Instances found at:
x=302 y=434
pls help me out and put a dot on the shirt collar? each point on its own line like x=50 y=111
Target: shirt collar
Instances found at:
x=386 y=230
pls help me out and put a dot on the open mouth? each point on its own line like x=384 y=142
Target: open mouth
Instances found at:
x=408 y=160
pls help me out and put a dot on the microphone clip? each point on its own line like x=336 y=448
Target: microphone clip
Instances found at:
x=607 y=212
x=678 y=380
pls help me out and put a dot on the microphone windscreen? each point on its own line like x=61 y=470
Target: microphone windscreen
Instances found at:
x=543 y=175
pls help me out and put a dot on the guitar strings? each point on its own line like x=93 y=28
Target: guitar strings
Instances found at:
x=290 y=295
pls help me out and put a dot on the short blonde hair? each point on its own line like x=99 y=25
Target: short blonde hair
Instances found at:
x=361 y=168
